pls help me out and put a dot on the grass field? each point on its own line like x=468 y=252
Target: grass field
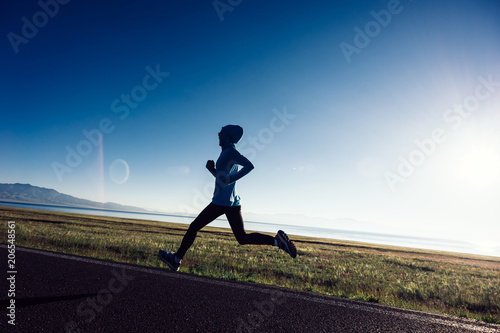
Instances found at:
x=458 y=284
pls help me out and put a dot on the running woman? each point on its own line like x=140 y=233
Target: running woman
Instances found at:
x=227 y=201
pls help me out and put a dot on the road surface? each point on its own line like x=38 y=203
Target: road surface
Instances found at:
x=63 y=293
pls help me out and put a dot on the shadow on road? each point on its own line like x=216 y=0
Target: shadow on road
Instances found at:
x=24 y=302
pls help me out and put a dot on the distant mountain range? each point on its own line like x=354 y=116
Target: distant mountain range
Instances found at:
x=39 y=195
x=26 y=193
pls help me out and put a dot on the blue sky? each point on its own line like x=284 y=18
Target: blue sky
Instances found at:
x=330 y=135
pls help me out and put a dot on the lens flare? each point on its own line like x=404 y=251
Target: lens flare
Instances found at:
x=119 y=171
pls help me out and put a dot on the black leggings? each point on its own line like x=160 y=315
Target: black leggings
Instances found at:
x=233 y=215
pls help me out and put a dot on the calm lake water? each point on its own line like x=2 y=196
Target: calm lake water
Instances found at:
x=368 y=237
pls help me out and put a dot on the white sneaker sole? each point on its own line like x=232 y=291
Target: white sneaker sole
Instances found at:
x=172 y=267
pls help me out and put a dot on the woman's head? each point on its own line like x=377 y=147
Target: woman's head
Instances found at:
x=230 y=135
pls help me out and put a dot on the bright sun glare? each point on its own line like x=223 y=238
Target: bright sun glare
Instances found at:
x=479 y=165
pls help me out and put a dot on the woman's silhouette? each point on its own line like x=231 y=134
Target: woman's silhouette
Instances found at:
x=227 y=201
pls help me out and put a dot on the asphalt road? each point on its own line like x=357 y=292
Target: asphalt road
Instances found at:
x=62 y=293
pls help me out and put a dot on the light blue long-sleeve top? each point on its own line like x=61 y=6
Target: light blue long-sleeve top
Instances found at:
x=226 y=171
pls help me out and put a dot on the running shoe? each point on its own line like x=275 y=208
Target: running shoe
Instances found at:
x=286 y=244
x=169 y=259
